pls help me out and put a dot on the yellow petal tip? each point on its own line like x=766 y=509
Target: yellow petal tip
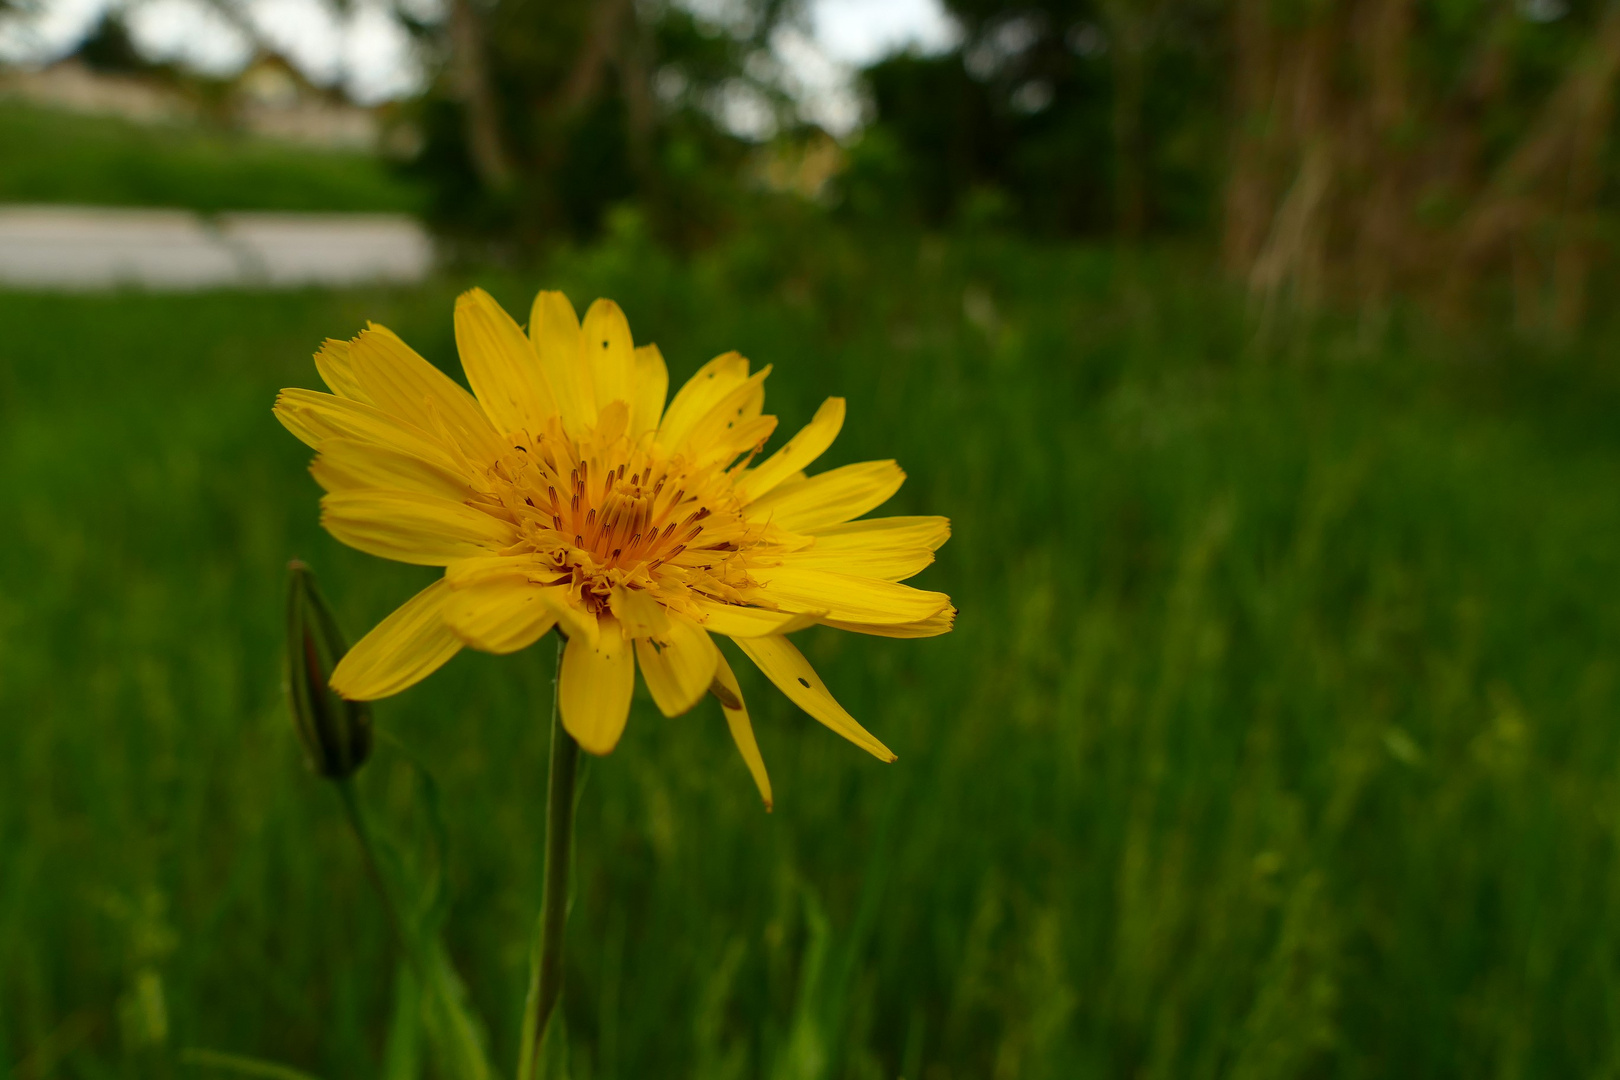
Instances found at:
x=343 y=688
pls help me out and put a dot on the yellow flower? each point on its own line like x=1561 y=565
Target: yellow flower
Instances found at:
x=565 y=493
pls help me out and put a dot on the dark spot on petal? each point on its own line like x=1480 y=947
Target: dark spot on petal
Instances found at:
x=804 y=682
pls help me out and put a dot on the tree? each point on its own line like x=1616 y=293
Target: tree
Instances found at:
x=1087 y=116
x=1384 y=146
x=1348 y=151
x=544 y=113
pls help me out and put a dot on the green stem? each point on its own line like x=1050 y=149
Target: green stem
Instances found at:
x=362 y=835
x=546 y=957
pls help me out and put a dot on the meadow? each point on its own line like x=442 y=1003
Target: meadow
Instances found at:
x=48 y=156
x=1277 y=737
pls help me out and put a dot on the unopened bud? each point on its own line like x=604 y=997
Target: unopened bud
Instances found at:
x=336 y=733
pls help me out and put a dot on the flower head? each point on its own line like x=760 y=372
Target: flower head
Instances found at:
x=564 y=492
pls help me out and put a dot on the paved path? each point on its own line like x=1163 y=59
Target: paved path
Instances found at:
x=73 y=247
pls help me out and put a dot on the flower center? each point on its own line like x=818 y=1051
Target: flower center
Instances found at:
x=602 y=510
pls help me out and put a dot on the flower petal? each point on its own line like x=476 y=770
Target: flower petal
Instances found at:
x=349 y=465
x=847 y=598
x=400 y=651
x=725 y=421
x=735 y=621
x=885 y=564
x=639 y=614
x=939 y=623
x=501 y=365
x=413 y=528
x=729 y=694
x=897 y=532
x=785 y=666
x=315 y=417
x=610 y=352
x=678 y=669
x=650 y=389
x=332 y=361
x=594 y=689
x=481 y=568
x=810 y=443
x=711 y=383
x=532 y=570
x=397 y=380
x=575 y=620
x=499 y=616
x=828 y=498
x=554 y=330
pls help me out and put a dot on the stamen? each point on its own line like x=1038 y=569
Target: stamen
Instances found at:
x=625 y=525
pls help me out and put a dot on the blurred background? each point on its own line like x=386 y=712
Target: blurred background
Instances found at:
x=1263 y=353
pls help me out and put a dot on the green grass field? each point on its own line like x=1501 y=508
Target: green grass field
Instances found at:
x=1278 y=736
x=48 y=156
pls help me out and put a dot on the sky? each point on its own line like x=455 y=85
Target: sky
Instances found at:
x=371 y=55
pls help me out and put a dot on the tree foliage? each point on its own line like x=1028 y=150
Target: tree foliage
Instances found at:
x=1338 y=147
x=546 y=113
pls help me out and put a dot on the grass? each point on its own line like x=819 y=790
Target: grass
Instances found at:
x=48 y=156
x=1277 y=737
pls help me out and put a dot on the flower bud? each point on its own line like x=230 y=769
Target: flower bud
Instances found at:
x=336 y=733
